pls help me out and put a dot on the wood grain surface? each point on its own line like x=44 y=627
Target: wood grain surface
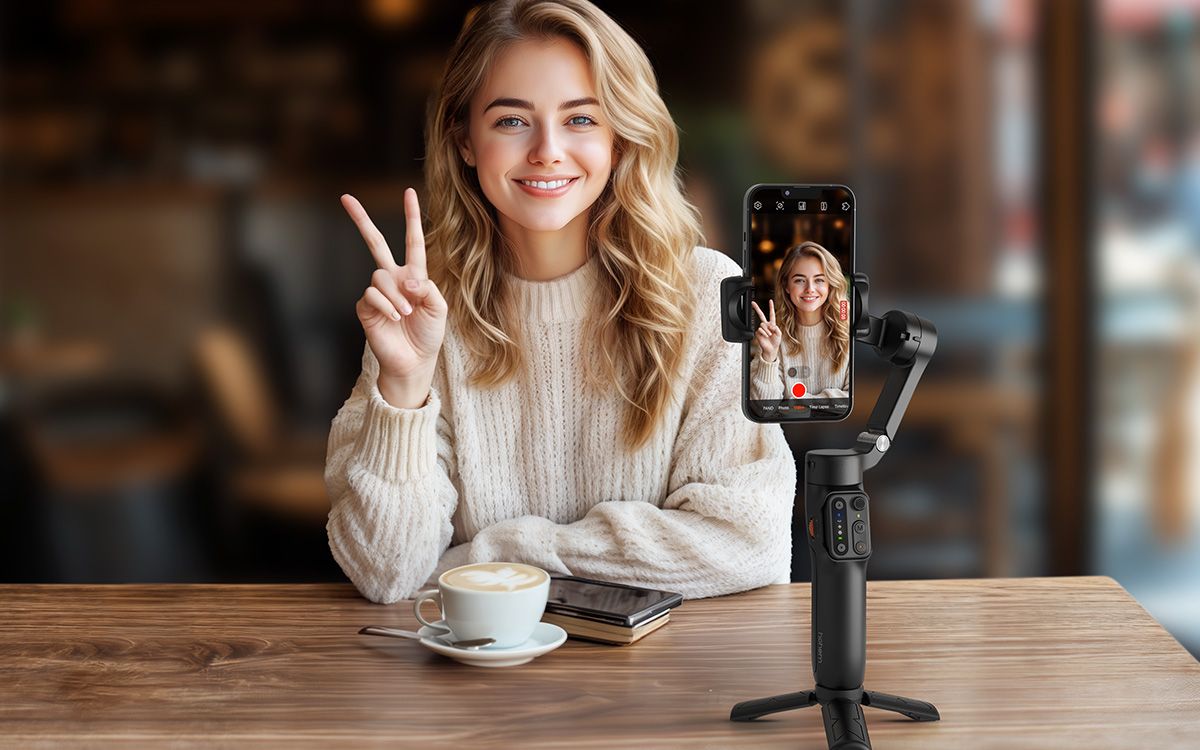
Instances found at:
x=1010 y=663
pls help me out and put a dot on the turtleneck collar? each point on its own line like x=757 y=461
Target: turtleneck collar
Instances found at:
x=564 y=298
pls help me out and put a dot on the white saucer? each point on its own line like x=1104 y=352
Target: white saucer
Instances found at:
x=546 y=637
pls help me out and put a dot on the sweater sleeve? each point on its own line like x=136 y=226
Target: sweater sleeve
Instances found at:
x=725 y=524
x=388 y=473
x=766 y=379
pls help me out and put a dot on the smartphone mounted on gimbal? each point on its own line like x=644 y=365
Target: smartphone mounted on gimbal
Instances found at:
x=798 y=257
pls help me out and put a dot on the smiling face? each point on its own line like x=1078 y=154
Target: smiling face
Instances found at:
x=537 y=137
x=807 y=285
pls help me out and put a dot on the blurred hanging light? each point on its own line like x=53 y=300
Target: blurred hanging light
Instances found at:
x=393 y=13
x=766 y=245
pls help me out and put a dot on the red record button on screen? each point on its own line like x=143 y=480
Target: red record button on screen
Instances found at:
x=798 y=390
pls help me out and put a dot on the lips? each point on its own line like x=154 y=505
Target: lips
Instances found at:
x=547 y=188
x=548 y=183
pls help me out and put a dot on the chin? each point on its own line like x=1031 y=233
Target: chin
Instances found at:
x=543 y=223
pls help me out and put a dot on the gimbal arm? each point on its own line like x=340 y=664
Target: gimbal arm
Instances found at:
x=908 y=342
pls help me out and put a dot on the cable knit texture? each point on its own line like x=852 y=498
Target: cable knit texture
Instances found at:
x=774 y=380
x=536 y=471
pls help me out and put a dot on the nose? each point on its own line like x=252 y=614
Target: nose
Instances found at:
x=545 y=149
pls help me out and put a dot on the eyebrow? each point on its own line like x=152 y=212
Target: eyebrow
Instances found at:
x=815 y=275
x=524 y=104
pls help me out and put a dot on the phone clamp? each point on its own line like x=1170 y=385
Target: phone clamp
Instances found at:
x=837 y=524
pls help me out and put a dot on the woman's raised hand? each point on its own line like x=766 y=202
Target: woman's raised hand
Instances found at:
x=402 y=312
x=768 y=335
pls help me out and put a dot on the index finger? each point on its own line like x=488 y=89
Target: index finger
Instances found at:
x=414 y=247
x=758 y=310
x=370 y=234
x=772 y=311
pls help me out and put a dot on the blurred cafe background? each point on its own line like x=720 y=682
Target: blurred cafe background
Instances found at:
x=177 y=278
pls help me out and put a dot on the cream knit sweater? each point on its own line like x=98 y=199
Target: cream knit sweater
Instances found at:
x=774 y=380
x=535 y=470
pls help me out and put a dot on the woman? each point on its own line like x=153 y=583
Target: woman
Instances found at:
x=806 y=354
x=555 y=391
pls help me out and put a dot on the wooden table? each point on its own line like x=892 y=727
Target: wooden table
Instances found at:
x=1011 y=663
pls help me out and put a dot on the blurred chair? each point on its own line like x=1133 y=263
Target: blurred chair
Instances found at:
x=273 y=468
x=113 y=459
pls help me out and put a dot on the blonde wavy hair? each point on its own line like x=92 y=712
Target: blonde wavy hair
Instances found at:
x=836 y=346
x=641 y=229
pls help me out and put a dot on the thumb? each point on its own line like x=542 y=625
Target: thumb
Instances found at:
x=424 y=293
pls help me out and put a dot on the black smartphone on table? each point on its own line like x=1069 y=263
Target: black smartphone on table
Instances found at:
x=605 y=602
x=798 y=251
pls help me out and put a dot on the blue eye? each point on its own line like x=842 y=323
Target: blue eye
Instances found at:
x=587 y=120
x=509 y=122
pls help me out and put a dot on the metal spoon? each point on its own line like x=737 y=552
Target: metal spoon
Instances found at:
x=470 y=645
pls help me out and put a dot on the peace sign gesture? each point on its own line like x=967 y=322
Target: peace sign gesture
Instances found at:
x=768 y=335
x=402 y=312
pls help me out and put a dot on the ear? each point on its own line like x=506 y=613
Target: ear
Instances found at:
x=465 y=150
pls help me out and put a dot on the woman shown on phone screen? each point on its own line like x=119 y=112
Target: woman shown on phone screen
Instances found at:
x=805 y=352
x=552 y=388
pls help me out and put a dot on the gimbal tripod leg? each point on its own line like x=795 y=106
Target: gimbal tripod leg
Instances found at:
x=845 y=725
x=752 y=709
x=910 y=707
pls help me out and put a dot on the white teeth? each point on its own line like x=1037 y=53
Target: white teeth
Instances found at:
x=545 y=185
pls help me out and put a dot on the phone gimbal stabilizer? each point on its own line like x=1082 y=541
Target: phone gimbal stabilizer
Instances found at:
x=839 y=529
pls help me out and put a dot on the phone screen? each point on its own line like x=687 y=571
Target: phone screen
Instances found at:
x=599 y=599
x=799 y=255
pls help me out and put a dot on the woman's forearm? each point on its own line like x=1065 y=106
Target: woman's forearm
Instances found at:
x=392 y=498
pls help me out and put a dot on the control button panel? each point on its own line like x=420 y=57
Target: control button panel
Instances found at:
x=847 y=525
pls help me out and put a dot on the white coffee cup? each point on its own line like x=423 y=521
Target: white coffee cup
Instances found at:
x=504 y=601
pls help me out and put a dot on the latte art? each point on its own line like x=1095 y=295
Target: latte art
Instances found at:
x=495 y=577
x=506 y=577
